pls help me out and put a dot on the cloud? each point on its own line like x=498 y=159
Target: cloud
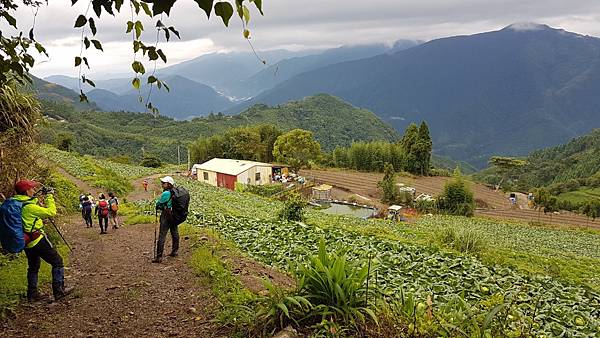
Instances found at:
x=301 y=25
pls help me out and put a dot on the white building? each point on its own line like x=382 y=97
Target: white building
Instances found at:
x=225 y=173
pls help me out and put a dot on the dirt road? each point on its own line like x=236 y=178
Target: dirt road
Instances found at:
x=119 y=292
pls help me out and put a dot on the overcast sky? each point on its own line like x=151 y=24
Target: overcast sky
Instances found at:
x=296 y=25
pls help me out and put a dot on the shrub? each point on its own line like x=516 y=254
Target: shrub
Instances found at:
x=335 y=288
x=293 y=209
x=426 y=206
x=151 y=162
x=457 y=198
x=463 y=240
x=388 y=184
x=265 y=190
x=440 y=172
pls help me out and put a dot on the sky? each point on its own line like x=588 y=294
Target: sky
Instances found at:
x=296 y=25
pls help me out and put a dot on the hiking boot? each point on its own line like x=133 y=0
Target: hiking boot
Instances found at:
x=60 y=291
x=157 y=260
x=33 y=296
x=173 y=254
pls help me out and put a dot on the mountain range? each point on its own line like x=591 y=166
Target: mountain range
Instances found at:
x=505 y=92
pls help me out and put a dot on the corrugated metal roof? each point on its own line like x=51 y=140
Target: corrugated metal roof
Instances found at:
x=229 y=166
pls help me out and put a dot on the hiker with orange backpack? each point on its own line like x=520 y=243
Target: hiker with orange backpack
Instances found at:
x=22 y=228
x=102 y=211
x=113 y=204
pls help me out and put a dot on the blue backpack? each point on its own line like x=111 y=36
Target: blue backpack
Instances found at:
x=12 y=236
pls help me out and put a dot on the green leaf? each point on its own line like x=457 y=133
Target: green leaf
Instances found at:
x=206 y=5
x=86 y=62
x=162 y=6
x=246 y=14
x=83 y=97
x=246 y=33
x=97 y=45
x=136 y=83
x=77 y=61
x=152 y=55
x=11 y=20
x=136 y=6
x=92 y=24
x=139 y=28
x=146 y=9
x=86 y=42
x=225 y=11
x=172 y=29
x=152 y=79
x=90 y=82
x=162 y=55
x=40 y=48
x=81 y=21
x=258 y=4
x=129 y=27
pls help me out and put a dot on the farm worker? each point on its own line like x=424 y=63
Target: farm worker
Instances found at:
x=113 y=204
x=165 y=205
x=145 y=185
x=37 y=244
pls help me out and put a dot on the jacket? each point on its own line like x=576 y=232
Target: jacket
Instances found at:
x=33 y=214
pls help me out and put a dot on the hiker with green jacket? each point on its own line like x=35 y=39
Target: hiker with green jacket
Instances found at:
x=38 y=246
x=165 y=205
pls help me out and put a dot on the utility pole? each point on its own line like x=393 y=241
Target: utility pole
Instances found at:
x=178 y=156
x=189 y=166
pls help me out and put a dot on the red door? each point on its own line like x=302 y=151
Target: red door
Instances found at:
x=226 y=181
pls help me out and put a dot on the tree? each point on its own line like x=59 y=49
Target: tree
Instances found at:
x=408 y=142
x=296 y=148
x=505 y=165
x=591 y=209
x=540 y=200
x=388 y=184
x=268 y=135
x=16 y=58
x=64 y=141
x=457 y=197
x=423 y=149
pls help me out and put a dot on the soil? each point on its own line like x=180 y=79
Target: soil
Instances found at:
x=120 y=293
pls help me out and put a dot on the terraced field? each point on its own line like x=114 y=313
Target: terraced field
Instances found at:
x=366 y=184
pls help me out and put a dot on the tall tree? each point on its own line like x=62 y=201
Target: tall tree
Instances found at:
x=408 y=142
x=296 y=148
x=388 y=184
x=505 y=166
x=423 y=149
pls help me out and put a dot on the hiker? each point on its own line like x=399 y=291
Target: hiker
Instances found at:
x=102 y=210
x=37 y=245
x=173 y=204
x=113 y=204
x=86 y=211
x=145 y=185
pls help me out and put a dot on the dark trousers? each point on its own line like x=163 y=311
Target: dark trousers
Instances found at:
x=167 y=224
x=103 y=228
x=87 y=217
x=43 y=250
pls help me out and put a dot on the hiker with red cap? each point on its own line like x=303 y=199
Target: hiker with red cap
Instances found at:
x=37 y=245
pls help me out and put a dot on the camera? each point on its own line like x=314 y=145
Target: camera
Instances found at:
x=46 y=190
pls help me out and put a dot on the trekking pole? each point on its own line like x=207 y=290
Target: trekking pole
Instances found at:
x=60 y=234
x=155 y=226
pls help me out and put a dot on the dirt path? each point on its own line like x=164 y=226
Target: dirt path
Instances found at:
x=120 y=293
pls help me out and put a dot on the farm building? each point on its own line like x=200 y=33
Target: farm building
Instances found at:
x=222 y=172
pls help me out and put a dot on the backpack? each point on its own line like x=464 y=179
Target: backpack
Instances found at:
x=103 y=206
x=180 y=200
x=114 y=206
x=12 y=236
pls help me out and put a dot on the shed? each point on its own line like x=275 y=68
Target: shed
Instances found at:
x=321 y=192
x=223 y=172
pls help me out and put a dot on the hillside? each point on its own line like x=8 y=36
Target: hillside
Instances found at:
x=333 y=121
x=503 y=92
x=49 y=91
x=289 y=67
x=185 y=99
x=571 y=170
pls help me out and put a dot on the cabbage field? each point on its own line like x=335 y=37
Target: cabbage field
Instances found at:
x=461 y=286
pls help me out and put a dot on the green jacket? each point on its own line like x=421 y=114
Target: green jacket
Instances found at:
x=164 y=201
x=33 y=214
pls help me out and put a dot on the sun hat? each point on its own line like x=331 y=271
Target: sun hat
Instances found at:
x=168 y=179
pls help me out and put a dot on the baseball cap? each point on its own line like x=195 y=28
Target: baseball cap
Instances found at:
x=168 y=179
x=22 y=186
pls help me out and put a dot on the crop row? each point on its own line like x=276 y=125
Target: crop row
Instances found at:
x=544 y=304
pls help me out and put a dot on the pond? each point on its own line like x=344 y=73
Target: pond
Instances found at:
x=345 y=209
